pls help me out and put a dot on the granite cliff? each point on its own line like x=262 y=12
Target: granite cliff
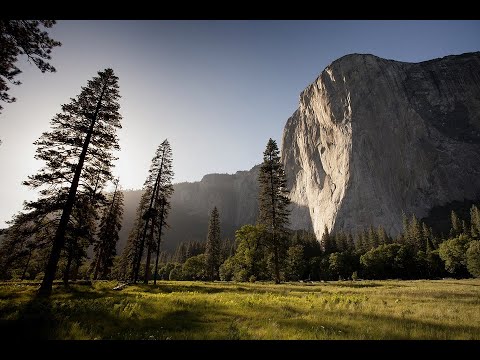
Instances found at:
x=374 y=137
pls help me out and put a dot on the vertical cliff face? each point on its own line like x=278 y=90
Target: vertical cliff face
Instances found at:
x=373 y=137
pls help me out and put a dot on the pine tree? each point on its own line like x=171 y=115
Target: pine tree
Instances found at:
x=225 y=247
x=128 y=259
x=427 y=235
x=164 y=192
x=23 y=37
x=273 y=203
x=181 y=253
x=456 y=224
x=328 y=242
x=79 y=235
x=159 y=188
x=78 y=156
x=110 y=225
x=212 y=250
x=25 y=235
x=341 y=241
x=415 y=234
x=382 y=236
x=405 y=228
x=372 y=238
x=362 y=242
x=350 y=242
x=475 y=221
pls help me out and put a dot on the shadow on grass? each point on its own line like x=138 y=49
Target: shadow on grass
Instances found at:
x=86 y=314
x=35 y=320
x=204 y=288
x=396 y=328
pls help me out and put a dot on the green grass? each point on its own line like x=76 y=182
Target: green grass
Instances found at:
x=442 y=309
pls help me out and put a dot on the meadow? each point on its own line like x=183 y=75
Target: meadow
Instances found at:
x=421 y=309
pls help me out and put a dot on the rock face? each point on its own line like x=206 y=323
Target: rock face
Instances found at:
x=373 y=137
x=235 y=196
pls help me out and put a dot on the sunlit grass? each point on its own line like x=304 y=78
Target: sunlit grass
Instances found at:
x=443 y=309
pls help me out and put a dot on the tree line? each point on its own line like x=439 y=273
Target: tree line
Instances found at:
x=74 y=212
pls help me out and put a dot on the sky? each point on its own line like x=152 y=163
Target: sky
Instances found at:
x=218 y=90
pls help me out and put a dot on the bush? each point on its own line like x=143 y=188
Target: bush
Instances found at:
x=388 y=261
x=164 y=271
x=295 y=263
x=194 y=268
x=252 y=279
x=473 y=258
x=240 y=275
x=176 y=273
x=354 y=276
x=227 y=269
x=339 y=265
x=453 y=253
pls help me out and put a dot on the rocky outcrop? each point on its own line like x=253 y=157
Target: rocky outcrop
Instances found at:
x=374 y=137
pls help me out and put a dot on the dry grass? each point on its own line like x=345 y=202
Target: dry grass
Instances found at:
x=443 y=309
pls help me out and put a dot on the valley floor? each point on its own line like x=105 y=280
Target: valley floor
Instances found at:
x=440 y=309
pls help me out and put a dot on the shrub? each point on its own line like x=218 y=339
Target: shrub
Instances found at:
x=388 y=261
x=354 y=276
x=473 y=258
x=226 y=269
x=176 y=273
x=453 y=253
x=194 y=268
x=240 y=275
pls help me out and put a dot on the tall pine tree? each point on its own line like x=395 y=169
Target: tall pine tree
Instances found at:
x=163 y=194
x=160 y=175
x=213 y=246
x=78 y=156
x=273 y=204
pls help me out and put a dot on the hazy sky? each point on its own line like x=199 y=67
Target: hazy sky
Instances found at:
x=216 y=89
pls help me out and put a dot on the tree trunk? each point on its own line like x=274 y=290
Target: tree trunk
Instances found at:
x=102 y=244
x=26 y=266
x=59 y=240
x=75 y=270
x=97 y=264
x=149 y=257
x=158 y=243
x=274 y=240
x=142 y=242
x=277 y=267
x=66 y=272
